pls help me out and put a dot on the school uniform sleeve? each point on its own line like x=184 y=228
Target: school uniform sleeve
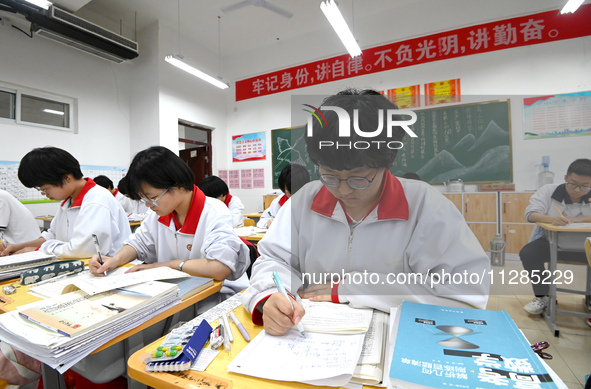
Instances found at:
x=237 y=210
x=269 y=213
x=125 y=203
x=540 y=201
x=143 y=240
x=4 y=215
x=221 y=243
x=93 y=218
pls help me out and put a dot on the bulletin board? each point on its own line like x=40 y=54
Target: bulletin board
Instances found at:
x=9 y=180
x=289 y=146
x=468 y=141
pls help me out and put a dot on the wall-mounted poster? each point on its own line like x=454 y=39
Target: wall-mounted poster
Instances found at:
x=249 y=147
x=405 y=97
x=557 y=115
x=443 y=92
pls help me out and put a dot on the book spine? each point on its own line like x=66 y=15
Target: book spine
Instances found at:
x=44 y=325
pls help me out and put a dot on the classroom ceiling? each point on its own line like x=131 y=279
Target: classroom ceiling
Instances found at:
x=253 y=27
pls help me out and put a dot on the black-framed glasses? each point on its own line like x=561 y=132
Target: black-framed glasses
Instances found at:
x=153 y=202
x=583 y=188
x=354 y=182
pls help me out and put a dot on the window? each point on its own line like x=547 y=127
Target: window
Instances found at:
x=35 y=108
x=7 y=104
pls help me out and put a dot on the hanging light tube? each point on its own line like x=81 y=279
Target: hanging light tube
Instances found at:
x=334 y=16
x=571 y=6
x=177 y=61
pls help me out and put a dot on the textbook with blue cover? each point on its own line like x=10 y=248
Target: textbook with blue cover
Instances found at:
x=443 y=347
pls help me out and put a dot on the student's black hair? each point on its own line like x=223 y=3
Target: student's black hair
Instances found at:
x=411 y=176
x=293 y=177
x=582 y=167
x=160 y=168
x=47 y=166
x=103 y=181
x=122 y=185
x=213 y=186
x=368 y=103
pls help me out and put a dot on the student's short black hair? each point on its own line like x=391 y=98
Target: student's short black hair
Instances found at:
x=160 y=168
x=213 y=186
x=293 y=177
x=411 y=176
x=47 y=166
x=122 y=185
x=582 y=167
x=103 y=181
x=368 y=103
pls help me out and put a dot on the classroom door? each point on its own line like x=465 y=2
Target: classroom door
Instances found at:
x=198 y=160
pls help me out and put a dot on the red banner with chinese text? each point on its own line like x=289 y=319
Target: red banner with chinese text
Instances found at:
x=527 y=30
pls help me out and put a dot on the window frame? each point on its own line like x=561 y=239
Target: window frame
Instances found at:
x=4 y=120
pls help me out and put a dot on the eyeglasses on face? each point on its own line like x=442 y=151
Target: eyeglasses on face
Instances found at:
x=582 y=188
x=153 y=202
x=354 y=182
x=40 y=190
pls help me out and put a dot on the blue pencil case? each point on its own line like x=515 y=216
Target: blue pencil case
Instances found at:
x=50 y=270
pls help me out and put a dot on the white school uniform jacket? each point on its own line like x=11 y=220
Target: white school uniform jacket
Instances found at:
x=272 y=211
x=17 y=223
x=124 y=201
x=206 y=233
x=93 y=211
x=236 y=209
x=414 y=231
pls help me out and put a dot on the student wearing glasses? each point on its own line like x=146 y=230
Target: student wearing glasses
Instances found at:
x=558 y=204
x=346 y=237
x=186 y=231
x=86 y=208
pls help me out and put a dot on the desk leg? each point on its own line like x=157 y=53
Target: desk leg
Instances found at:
x=52 y=378
x=550 y=313
x=130 y=346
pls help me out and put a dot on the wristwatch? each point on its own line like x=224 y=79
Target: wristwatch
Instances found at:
x=181 y=264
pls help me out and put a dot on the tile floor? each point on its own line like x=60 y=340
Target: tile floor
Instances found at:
x=572 y=349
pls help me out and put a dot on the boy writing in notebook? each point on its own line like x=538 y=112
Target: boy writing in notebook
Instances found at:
x=186 y=231
x=292 y=177
x=347 y=237
x=86 y=208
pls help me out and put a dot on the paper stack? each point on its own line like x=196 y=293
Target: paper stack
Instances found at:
x=75 y=324
x=11 y=266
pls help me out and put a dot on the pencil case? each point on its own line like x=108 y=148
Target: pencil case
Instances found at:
x=50 y=270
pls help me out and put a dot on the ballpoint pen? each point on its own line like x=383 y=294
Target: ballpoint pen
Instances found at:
x=281 y=289
x=240 y=327
x=98 y=250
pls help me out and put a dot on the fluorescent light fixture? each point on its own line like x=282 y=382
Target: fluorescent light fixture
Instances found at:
x=178 y=62
x=571 y=6
x=40 y=3
x=53 y=111
x=332 y=13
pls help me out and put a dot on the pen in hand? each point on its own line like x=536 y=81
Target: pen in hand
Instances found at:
x=281 y=289
x=560 y=213
x=98 y=251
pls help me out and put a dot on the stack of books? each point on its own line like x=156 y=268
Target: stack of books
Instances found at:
x=11 y=266
x=62 y=330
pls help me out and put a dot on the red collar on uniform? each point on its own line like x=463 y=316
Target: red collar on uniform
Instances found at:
x=283 y=199
x=193 y=216
x=227 y=200
x=392 y=203
x=78 y=200
x=115 y=193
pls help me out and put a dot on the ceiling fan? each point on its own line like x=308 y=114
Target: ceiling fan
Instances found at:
x=258 y=3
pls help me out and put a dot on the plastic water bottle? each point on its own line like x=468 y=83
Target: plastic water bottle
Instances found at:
x=545 y=176
x=497 y=251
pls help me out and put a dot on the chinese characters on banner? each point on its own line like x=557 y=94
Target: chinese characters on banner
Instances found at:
x=406 y=97
x=527 y=30
x=442 y=92
x=557 y=115
x=249 y=147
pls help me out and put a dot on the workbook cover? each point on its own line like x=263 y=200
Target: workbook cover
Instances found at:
x=442 y=347
x=78 y=312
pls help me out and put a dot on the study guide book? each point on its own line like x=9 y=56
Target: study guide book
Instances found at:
x=443 y=347
x=370 y=366
x=75 y=313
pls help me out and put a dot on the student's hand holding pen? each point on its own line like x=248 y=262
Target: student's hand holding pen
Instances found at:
x=278 y=316
x=98 y=269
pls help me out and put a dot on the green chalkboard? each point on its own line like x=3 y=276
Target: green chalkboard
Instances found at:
x=468 y=141
x=288 y=146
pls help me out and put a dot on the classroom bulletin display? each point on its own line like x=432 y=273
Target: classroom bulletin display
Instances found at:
x=9 y=180
x=557 y=115
x=249 y=147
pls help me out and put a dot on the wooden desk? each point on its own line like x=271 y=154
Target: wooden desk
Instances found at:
x=132 y=339
x=253 y=215
x=216 y=374
x=554 y=236
x=255 y=238
x=46 y=221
